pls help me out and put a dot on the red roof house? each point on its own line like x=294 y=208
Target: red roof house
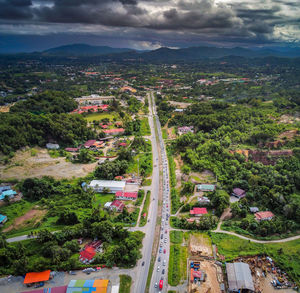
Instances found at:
x=126 y=195
x=89 y=143
x=264 y=216
x=117 y=205
x=87 y=254
x=197 y=212
x=34 y=277
x=123 y=144
x=114 y=131
x=240 y=193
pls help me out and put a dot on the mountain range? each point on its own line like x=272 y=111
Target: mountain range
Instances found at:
x=165 y=54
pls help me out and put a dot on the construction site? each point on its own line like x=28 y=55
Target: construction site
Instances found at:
x=267 y=277
x=257 y=274
x=204 y=272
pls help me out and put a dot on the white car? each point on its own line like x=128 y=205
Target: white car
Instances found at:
x=158 y=268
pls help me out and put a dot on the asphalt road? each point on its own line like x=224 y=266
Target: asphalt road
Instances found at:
x=160 y=271
x=139 y=284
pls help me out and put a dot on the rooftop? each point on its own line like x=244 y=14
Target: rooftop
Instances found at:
x=198 y=211
x=107 y=183
x=37 y=277
x=263 y=215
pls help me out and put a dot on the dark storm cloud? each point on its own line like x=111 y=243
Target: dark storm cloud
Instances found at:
x=252 y=21
x=15 y=9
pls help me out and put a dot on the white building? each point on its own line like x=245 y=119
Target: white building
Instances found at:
x=111 y=185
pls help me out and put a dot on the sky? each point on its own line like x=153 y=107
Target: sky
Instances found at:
x=34 y=25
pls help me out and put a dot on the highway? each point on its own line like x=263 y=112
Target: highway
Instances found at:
x=140 y=281
x=160 y=271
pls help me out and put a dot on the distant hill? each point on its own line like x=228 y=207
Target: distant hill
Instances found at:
x=194 y=53
x=84 y=49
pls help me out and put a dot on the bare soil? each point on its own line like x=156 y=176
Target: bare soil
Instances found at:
x=288 y=134
x=181 y=105
x=31 y=217
x=266 y=287
x=204 y=177
x=171 y=134
x=200 y=244
x=24 y=165
x=211 y=281
x=287 y=119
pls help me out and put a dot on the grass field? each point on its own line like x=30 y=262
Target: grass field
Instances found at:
x=145 y=162
x=99 y=116
x=125 y=284
x=147 y=182
x=102 y=198
x=164 y=134
x=176 y=237
x=177 y=264
x=143 y=220
x=285 y=254
x=145 y=128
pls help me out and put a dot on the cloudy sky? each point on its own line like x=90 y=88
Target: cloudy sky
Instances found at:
x=27 y=25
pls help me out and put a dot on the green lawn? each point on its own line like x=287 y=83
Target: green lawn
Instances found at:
x=102 y=198
x=145 y=163
x=99 y=116
x=176 y=237
x=147 y=182
x=145 y=128
x=285 y=254
x=164 y=134
x=125 y=284
x=143 y=220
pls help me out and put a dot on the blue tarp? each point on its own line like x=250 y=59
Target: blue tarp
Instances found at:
x=2 y=218
x=9 y=193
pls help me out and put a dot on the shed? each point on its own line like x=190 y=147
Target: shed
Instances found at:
x=239 y=277
x=10 y=193
x=239 y=193
x=4 y=188
x=206 y=187
x=254 y=209
x=34 y=277
x=112 y=185
x=3 y=219
x=52 y=146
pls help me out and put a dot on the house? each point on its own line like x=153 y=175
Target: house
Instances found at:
x=60 y=289
x=111 y=185
x=239 y=277
x=206 y=187
x=88 y=253
x=4 y=188
x=126 y=195
x=264 y=216
x=178 y=110
x=239 y=193
x=203 y=200
x=197 y=212
x=52 y=146
x=185 y=129
x=107 y=205
x=89 y=143
x=128 y=89
x=254 y=209
x=117 y=206
x=72 y=150
x=119 y=178
x=123 y=144
x=3 y=219
x=7 y=193
x=114 y=131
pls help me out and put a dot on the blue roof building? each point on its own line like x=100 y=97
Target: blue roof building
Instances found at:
x=4 y=188
x=10 y=193
x=3 y=219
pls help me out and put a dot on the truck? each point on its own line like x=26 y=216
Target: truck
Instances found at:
x=161 y=283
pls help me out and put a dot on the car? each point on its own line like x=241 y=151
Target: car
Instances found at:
x=165 y=240
x=160 y=250
x=158 y=268
x=155 y=285
x=143 y=263
x=166 y=231
x=163 y=271
x=159 y=258
x=165 y=251
x=164 y=262
x=161 y=244
x=161 y=236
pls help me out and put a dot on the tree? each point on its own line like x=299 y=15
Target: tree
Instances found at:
x=84 y=156
x=220 y=201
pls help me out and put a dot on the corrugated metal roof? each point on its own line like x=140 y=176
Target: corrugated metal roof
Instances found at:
x=239 y=276
x=107 y=183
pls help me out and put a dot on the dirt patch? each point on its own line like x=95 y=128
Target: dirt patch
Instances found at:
x=288 y=134
x=5 y=109
x=24 y=165
x=178 y=164
x=266 y=287
x=30 y=218
x=204 y=177
x=211 y=280
x=181 y=105
x=287 y=119
x=171 y=133
x=200 y=245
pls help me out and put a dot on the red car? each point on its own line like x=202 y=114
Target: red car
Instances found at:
x=165 y=251
x=166 y=231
